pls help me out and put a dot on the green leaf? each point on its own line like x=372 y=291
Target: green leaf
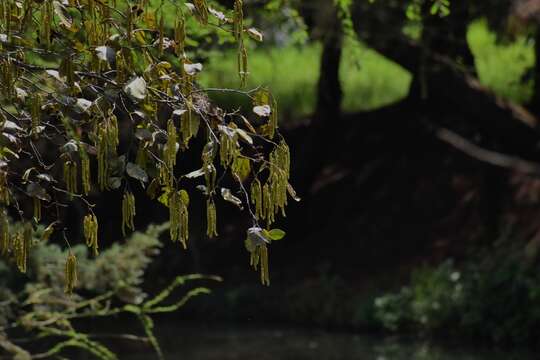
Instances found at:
x=228 y=196
x=35 y=190
x=136 y=172
x=136 y=89
x=276 y=234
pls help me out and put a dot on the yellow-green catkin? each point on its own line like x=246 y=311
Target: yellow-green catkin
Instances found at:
x=46 y=21
x=238 y=20
x=180 y=35
x=241 y=167
x=211 y=219
x=106 y=144
x=70 y=176
x=4 y=233
x=37 y=209
x=35 y=113
x=128 y=212
x=21 y=246
x=256 y=198
x=279 y=176
x=202 y=11
x=4 y=188
x=142 y=157
x=238 y=30
x=179 y=218
x=187 y=127
x=70 y=273
x=265 y=273
x=170 y=150
x=90 y=225
x=166 y=177
x=228 y=149
x=85 y=172
x=267 y=205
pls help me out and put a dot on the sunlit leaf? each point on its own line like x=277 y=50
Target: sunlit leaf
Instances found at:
x=228 y=196
x=136 y=172
x=193 y=69
x=136 y=88
x=255 y=34
x=262 y=110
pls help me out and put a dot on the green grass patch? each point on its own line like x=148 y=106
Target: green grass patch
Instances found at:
x=502 y=66
x=369 y=80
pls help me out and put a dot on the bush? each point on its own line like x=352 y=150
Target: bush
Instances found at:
x=495 y=301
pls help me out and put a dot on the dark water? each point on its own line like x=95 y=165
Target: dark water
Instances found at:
x=256 y=343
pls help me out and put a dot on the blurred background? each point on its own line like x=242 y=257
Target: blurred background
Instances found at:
x=415 y=147
x=415 y=142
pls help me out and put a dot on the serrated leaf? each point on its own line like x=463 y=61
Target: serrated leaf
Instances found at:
x=262 y=110
x=35 y=190
x=70 y=146
x=46 y=177
x=179 y=112
x=143 y=134
x=115 y=182
x=106 y=53
x=56 y=75
x=255 y=34
x=136 y=88
x=193 y=69
x=82 y=105
x=10 y=125
x=217 y=14
x=195 y=174
x=276 y=234
x=255 y=237
x=136 y=172
x=228 y=196
x=244 y=135
x=292 y=193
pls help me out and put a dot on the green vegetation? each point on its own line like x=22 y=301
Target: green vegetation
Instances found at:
x=369 y=80
x=495 y=300
x=502 y=66
x=111 y=285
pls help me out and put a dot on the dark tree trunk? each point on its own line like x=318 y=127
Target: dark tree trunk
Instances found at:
x=324 y=127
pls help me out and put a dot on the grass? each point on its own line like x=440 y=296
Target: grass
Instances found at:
x=369 y=80
x=502 y=66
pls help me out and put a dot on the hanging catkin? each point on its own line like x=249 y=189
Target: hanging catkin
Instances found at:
x=267 y=205
x=4 y=233
x=211 y=220
x=37 y=209
x=180 y=35
x=70 y=176
x=128 y=212
x=35 y=113
x=70 y=273
x=263 y=254
x=179 y=218
x=256 y=198
x=90 y=225
x=106 y=144
x=21 y=246
x=202 y=11
x=170 y=151
x=228 y=149
x=85 y=171
x=4 y=189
